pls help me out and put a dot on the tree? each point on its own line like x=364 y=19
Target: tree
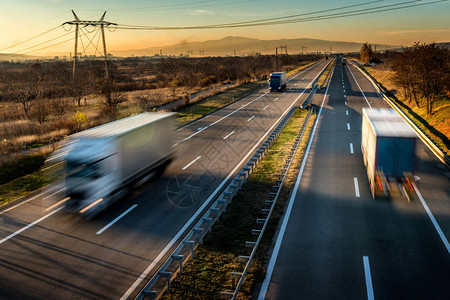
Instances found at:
x=366 y=53
x=422 y=71
x=111 y=97
x=26 y=87
x=432 y=70
x=40 y=110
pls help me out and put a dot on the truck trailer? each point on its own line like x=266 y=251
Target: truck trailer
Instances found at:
x=101 y=163
x=388 y=147
x=277 y=81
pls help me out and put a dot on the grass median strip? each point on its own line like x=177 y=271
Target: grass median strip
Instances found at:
x=206 y=275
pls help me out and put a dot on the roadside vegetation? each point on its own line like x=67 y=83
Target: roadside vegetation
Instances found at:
x=418 y=80
x=39 y=109
x=206 y=275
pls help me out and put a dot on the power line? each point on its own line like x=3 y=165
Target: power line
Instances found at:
x=56 y=38
x=65 y=41
x=288 y=19
x=32 y=38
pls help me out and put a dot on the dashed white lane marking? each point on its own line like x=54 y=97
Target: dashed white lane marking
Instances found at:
x=228 y=135
x=345 y=96
x=433 y=220
x=224 y=117
x=355 y=181
x=200 y=128
x=29 y=226
x=116 y=219
x=275 y=99
x=368 y=276
x=345 y=102
x=348 y=126
x=351 y=148
x=346 y=112
x=266 y=106
x=284 y=93
x=189 y=164
x=344 y=91
x=250 y=119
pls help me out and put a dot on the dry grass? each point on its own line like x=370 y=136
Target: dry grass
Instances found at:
x=437 y=125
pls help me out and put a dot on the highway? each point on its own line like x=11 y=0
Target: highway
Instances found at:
x=46 y=254
x=335 y=241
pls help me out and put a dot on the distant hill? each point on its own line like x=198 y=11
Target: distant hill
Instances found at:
x=9 y=57
x=243 y=45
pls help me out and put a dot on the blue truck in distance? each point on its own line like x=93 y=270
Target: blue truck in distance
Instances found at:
x=277 y=81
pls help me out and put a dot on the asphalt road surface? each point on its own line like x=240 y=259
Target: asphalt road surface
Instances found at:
x=339 y=243
x=46 y=254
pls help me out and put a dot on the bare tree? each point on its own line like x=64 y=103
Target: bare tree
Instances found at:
x=59 y=106
x=40 y=110
x=149 y=100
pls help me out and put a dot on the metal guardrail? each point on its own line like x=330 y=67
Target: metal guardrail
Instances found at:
x=305 y=103
x=422 y=135
x=266 y=213
x=161 y=281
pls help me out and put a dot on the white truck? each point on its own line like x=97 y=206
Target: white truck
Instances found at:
x=388 y=146
x=103 y=162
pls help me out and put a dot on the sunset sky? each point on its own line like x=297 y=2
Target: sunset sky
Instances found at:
x=23 y=19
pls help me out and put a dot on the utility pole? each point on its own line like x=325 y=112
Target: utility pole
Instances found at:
x=100 y=23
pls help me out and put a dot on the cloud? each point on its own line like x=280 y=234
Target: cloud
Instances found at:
x=199 y=12
x=415 y=32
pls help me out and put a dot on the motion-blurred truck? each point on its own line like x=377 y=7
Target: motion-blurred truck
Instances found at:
x=277 y=81
x=102 y=163
x=388 y=146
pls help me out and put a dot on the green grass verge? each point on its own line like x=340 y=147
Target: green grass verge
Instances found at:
x=20 y=187
x=206 y=275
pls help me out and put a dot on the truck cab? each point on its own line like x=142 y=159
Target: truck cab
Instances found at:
x=277 y=81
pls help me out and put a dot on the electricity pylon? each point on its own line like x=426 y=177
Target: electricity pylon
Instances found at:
x=100 y=23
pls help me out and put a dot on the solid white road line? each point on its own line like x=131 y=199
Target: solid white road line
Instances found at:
x=433 y=220
x=359 y=87
x=189 y=164
x=355 y=181
x=348 y=126
x=250 y=119
x=351 y=148
x=276 y=250
x=228 y=135
x=116 y=219
x=29 y=226
x=213 y=195
x=368 y=276
x=266 y=106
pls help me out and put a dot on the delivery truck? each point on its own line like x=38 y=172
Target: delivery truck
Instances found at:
x=388 y=147
x=277 y=81
x=102 y=163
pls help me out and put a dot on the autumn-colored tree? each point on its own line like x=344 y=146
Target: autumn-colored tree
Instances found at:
x=423 y=72
x=366 y=53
